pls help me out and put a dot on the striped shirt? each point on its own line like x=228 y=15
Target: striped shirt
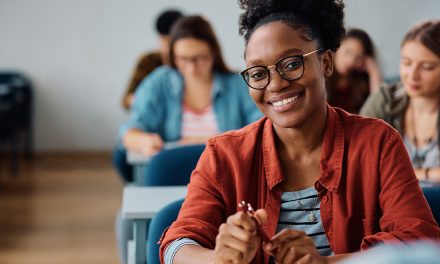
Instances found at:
x=296 y=208
x=300 y=210
x=198 y=123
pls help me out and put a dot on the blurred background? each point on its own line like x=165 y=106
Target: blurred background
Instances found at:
x=78 y=57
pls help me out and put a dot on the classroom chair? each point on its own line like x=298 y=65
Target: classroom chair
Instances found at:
x=432 y=195
x=162 y=220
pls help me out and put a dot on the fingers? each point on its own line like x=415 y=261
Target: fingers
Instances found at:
x=285 y=235
x=290 y=254
x=235 y=237
x=243 y=220
x=237 y=240
x=152 y=144
x=290 y=246
x=261 y=216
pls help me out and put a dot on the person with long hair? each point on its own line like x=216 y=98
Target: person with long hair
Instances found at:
x=194 y=98
x=307 y=183
x=356 y=72
x=412 y=106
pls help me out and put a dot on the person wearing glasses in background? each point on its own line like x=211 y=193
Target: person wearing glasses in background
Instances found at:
x=327 y=183
x=412 y=106
x=194 y=99
x=356 y=72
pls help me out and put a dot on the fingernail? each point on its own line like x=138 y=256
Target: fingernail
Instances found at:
x=268 y=246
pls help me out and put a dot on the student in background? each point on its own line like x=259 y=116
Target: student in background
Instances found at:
x=356 y=72
x=412 y=106
x=327 y=183
x=148 y=62
x=194 y=99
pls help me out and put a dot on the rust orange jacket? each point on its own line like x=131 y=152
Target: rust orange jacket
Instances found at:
x=368 y=189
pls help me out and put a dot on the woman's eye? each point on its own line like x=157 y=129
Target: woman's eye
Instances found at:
x=292 y=65
x=257 y=75
x=428 y=67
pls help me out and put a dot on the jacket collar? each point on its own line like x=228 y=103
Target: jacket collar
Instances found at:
x=331 y=155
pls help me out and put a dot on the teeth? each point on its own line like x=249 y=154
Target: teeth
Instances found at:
x=285 y=101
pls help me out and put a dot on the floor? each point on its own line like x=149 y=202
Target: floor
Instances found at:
x=59 y=209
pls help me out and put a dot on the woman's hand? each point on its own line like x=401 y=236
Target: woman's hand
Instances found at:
x=373 y=71
x=433 y=174
x=150 y=144
x=138 y=141
x=293 y=246
x=238 y=240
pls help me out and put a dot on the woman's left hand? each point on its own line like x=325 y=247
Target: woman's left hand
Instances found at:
x=373 y=71
x=293 y=246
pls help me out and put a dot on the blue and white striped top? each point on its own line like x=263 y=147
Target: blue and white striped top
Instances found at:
x=296 y=208
x=295 y=213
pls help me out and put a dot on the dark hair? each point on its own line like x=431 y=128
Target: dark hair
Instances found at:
x=198 y=28
x=166 y=20
x=428 y=33
x=363 y=38
x=321 y=20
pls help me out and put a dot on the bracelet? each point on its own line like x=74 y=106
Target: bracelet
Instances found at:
x=427 y=173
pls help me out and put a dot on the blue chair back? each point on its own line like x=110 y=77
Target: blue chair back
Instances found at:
x=173 y=166
x=163 y=219
x=432 y=195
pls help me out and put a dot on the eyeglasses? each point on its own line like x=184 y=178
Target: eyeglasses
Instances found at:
x=289 y=68
x=196 y=60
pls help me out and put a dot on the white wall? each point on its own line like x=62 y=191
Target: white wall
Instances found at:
x=80 y=54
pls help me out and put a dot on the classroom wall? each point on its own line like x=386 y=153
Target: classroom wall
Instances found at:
x=80 y=54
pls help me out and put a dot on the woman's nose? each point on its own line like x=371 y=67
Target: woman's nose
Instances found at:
x=276 y=81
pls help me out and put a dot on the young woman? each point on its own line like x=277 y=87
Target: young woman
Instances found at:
x=194 y=99
x=326 y=182
x=412 y=106
x=355 y=74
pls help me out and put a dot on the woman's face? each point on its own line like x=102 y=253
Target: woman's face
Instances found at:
x=419 y=70
x=350 y=56
x=288 y=104
x=193 y=58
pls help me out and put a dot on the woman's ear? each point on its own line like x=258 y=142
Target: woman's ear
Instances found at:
x=327 y=62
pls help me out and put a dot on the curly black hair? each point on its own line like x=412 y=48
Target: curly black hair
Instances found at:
x=321 y=20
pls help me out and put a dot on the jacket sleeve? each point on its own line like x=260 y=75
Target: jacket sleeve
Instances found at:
x=203 y=210
x=146 y=113
x=405 y=212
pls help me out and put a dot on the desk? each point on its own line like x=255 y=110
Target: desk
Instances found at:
x=140 y=204
x=139 y=163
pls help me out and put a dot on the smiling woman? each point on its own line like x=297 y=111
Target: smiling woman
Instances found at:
x=325 y=181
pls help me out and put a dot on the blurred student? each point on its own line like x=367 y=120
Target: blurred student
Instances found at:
x=148 y=62
x=412 y=106
x=356 y=72
x=193 y=99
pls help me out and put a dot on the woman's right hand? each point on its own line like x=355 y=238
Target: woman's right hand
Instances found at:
x=151 y=144
x=238 y=239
